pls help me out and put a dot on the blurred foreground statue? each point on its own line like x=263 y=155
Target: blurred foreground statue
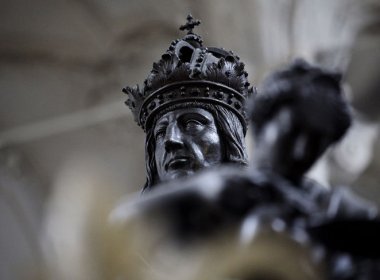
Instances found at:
x=192 y=108
x=268 y=222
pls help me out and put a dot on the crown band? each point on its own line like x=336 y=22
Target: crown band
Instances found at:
x=189 y=91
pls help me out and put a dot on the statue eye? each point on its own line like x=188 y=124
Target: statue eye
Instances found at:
x=159 y=133
x=193 y=124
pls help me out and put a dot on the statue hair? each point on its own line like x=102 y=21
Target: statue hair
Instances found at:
x=229 y=129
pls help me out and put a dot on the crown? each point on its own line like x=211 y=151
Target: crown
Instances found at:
x=189 y=72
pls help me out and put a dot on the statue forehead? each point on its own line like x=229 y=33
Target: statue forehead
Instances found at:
x=174 y=114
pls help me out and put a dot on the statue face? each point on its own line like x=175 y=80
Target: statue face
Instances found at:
x=286 y=146
x=186 y=140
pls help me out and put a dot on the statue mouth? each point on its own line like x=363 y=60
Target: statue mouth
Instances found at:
x=178 y=163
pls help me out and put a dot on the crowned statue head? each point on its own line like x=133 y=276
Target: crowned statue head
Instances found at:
x=192 y=108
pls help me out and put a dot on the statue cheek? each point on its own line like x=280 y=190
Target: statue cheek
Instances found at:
x=198 y=151
x=214 y=155
x=212 y=149
x=159 y=157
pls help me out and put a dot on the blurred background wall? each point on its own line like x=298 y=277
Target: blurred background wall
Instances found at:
x=63 y=64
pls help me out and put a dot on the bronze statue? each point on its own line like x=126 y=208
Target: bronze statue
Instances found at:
x=300 y=112
x=192 y=108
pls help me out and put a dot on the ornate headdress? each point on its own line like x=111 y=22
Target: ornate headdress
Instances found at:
x=189 y=72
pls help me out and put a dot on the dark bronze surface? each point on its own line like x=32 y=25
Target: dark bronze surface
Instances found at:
x=192 y=77
x=299 y=114
x=190 y=72
x=301 y=111
x=221 y=140
x=186 y=140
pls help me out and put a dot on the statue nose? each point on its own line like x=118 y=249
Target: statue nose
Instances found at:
x=173 y=138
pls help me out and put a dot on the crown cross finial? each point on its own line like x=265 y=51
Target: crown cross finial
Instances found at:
x=190 y=24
